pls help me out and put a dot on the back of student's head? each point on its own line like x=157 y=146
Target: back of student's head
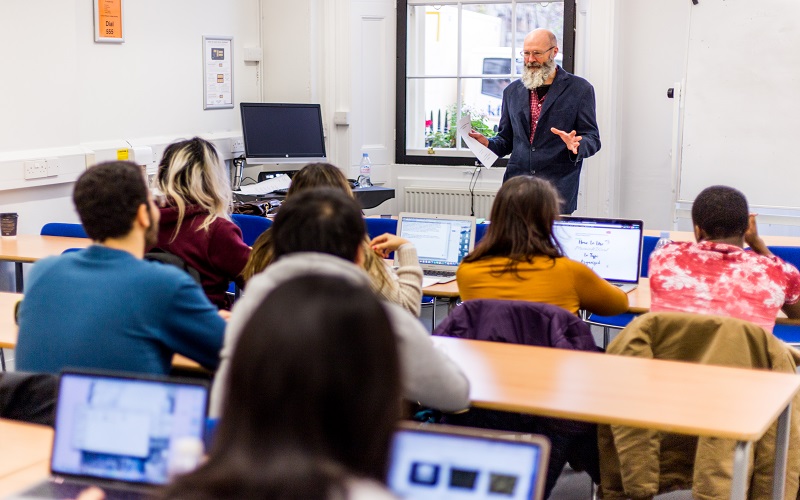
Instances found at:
x=318 y=175
x=321 y=220
x=522 y=217
x=313 y=396
x=191 y=173
x=721 y=212
x=107 y=198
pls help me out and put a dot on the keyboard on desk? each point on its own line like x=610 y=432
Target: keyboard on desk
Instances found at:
x=430 y=277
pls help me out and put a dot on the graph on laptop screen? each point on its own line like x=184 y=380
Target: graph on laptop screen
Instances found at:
x=439 y=241
x=610 y=247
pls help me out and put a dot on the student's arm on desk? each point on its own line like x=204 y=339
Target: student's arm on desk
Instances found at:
x=596 y=295
x=429 y=376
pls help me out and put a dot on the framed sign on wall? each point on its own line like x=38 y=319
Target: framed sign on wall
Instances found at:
x=108 y=21
x=217 y=72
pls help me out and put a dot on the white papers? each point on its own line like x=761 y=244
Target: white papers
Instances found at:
x=281 y=181
x=481 y=152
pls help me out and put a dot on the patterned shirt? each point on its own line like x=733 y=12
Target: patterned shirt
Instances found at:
x=723 y=280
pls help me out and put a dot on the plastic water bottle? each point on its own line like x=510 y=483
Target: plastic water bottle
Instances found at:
x=184 y=456
x=663 y=240
x=364 y=172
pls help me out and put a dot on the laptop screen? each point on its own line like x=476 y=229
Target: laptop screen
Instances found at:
x=441 y=240
x=610 y=247
x=428 y=463
x=120 y=428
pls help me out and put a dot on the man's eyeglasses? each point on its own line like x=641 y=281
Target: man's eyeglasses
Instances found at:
x=535 y=54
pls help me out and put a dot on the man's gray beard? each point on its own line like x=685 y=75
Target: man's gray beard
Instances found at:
x=536 y=77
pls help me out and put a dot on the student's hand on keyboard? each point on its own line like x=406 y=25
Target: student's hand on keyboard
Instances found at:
x=386 y=243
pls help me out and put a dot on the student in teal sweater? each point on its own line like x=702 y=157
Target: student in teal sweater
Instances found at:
x=105 y=307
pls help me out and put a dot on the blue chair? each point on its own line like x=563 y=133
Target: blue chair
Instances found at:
x=252 y=226
x=480 y=231
x=788 y=333
x=789 y=254
x=63 y=229
x=620 y=321
x=648 y=245
x=378 y=226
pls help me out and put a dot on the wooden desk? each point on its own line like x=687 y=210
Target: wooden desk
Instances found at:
x=9 y=331
x=668 y=396
x=27 y=248
x=24 y=455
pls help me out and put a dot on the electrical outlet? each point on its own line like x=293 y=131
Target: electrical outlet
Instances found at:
x=53 y=167
x=237 y=146
x=35 y=169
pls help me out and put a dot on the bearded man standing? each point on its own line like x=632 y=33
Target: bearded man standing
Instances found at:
x=548 y=121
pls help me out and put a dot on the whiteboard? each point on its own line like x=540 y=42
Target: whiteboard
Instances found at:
x=742 y=100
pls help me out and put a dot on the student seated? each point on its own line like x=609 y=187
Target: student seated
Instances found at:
x=195 y=222
x=403 y=286
x=519 y=258
x=716 y=275
x=105 y=307
x=320 y=231
x=312 y=398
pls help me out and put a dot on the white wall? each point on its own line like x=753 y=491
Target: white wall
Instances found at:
x=63 y=90
x=653 y=38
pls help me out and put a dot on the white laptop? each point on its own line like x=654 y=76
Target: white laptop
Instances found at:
x=442 y=242
x=610 y=247
x=115 y=431
x=438 y=461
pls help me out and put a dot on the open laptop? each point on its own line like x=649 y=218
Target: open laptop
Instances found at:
x=116 y=431
x=440 y=461
x=442 y=242
x=610 y=247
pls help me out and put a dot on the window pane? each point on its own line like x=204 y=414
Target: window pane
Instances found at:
x=470 y=65
x=486 y=33
x=432 y=40
x=548 y=15
x=430 y=120
x=482 y=98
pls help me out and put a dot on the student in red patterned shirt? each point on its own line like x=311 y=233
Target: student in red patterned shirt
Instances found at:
x=716 y=275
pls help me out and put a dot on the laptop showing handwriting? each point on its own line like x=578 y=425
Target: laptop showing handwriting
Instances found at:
x=610 y=247
x=116 y=431
x=443 y=462
x=442 y=242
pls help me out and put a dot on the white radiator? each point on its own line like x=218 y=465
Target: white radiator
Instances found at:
x=450 y=201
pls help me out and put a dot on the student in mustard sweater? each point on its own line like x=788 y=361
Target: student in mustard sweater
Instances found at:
x=520 y=258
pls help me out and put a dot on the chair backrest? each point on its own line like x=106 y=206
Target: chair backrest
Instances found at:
x=697 y=338
x=29 y=397
x=517 y=322
x=158 y=255
x=788 y=254
x=480 y=231
x=648 y=245
x=377 y=226
x=63 y=229
x=252 y=226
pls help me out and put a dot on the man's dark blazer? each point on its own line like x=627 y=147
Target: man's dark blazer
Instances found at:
x=569 y=105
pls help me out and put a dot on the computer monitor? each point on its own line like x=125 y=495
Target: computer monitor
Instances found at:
x=278 y=133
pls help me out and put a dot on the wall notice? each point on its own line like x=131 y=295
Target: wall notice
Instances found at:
x=217 y=72
x=108 y=21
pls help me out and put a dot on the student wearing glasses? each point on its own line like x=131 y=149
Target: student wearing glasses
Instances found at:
x=548 y=122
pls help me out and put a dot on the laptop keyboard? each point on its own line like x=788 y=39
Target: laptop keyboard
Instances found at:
x=71 y=489
x=440 y=274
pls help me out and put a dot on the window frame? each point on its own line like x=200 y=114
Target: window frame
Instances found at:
x=401 y=156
